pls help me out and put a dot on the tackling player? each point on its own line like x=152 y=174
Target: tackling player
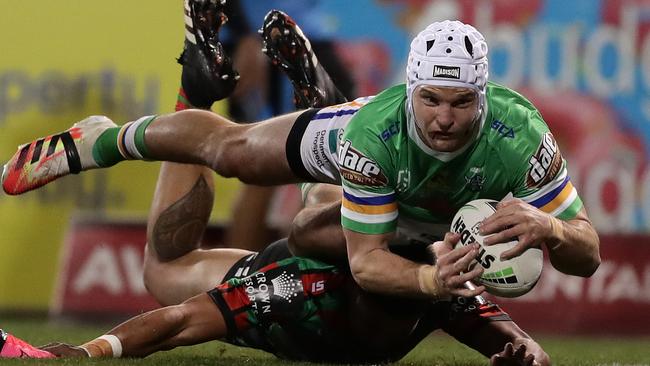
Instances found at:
x=407 y=159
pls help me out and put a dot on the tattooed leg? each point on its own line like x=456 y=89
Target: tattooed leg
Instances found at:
x=180 y=211
x=175 y=268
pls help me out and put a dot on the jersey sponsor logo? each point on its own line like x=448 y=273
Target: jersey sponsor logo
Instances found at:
x=391 y=131
x=447 y=72
x=275 y=292
x=318 y=148
x=545 y=164
x=502 y=129
x=357 y=168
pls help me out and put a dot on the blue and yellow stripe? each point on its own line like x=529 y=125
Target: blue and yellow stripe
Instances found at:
x=557 y=199
x=368 y=212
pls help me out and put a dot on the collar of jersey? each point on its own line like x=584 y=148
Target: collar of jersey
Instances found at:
x=440 y=155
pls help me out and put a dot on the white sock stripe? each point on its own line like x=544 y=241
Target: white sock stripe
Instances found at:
x=116 y=344
x=129 y=138
x=186 y=4
x=129 y=141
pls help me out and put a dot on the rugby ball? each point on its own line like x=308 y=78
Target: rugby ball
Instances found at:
x=510 y=278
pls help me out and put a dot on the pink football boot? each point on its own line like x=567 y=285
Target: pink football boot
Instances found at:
x=12 y=347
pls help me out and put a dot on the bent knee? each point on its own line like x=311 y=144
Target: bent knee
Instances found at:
x=151 y=273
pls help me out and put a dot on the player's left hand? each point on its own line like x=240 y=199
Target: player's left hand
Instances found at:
x=515 y=218
x=64 y=350
x=511 y=357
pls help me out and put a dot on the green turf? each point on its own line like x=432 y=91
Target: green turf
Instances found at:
x=435 y=350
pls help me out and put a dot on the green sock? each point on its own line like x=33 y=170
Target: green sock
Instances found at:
x=105 y=151
x=121 y=143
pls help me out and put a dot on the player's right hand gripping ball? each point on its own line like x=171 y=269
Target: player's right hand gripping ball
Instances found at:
x=508 y=278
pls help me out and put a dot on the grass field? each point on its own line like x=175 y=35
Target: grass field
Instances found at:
x=435 y=350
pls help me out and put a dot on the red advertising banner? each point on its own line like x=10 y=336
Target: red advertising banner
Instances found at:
x=615 y=300
x=101 y=271
x=101 y=275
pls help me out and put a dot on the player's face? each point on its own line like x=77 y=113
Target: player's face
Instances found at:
x=445 y=116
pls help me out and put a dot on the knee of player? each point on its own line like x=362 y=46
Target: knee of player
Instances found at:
x=175 y=314
x=296 y=235
x=227 y=159
x=150 y=272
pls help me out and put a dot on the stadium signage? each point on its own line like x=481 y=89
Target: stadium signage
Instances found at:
x=101 y=271
x=617 y=294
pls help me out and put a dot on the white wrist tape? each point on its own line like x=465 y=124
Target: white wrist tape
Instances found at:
x=116 y=344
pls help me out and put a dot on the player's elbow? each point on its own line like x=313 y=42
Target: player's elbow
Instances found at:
x=592 y=265
x=363 y=273
x=300 y=237
x=585 y=267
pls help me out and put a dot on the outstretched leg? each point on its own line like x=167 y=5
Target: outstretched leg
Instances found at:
x=254 y=153
x=289 y=51
x=175 y=268
x=195 y=321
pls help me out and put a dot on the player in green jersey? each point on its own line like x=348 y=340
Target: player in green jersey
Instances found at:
x=408 y=159
x=295 y=308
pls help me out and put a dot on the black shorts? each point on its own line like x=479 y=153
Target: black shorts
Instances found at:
x=301 y=309
x=276 y=302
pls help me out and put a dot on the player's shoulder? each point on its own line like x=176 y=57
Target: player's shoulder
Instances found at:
x=369 y=145
x=517 y=133
x=386 y=109
x=513 y=124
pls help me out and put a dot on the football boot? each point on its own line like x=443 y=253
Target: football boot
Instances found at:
x=12 y=347
x=48 y=158
x=208 y=73
x=285 y=44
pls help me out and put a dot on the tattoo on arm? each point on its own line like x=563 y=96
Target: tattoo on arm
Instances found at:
x=179 y=228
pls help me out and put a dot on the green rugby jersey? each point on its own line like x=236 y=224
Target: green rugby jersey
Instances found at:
x=389 y=174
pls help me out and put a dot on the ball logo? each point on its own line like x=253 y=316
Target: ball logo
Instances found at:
x=545 y=164
x=357 y=168
x=467 y=237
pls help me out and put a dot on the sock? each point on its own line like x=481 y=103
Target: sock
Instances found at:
x=181 y=101
x=122 y=143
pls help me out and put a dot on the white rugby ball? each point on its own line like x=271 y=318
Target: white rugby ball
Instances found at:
x=510 y=278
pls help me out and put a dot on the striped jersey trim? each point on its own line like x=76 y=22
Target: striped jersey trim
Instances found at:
x=556 y=198
x=370 y=209
x=368 y=212
x=338 y=110
x=377 y=200
x=552 y=185
x=368 y=219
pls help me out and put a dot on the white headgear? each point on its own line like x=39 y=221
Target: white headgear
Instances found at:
x=448 y=53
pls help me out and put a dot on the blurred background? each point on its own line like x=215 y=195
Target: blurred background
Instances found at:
x=75 y=246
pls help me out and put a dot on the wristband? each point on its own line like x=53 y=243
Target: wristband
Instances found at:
x=107 y=345
x=557 y=232
x=426 y=279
